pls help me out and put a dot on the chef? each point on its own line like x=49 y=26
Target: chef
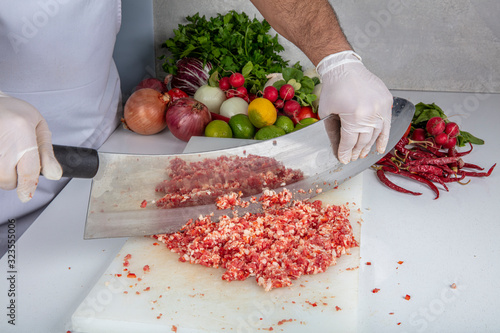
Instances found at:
x=59 y=84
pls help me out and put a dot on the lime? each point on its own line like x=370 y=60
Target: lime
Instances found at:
x=305 y=122
x=269 y=132
x=242 y=127
x=285 y=123
x=261 y=112
x=218 y=129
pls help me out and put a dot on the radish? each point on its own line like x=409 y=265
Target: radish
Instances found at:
x=441 y=139
x=224 y=83
x=236 y=80
x=418 y=134
x=271 y=93
x=279 y=104
x=435 y=125
x=242 y=92
x=452 y=129
x=287 y=92
x=230 y=93
x=291 y=108
x=452 y=141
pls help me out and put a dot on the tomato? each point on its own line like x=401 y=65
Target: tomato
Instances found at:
x=305 y=112
x=176 y=93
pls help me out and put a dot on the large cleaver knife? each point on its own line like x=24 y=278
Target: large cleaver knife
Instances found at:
x=137 y=195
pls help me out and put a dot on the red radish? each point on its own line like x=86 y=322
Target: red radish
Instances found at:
x=287 y=92
x=230 y=93
x=418 y=134
x=224 y=83
x=279 y=104
x=435 y=125
x=151 y=83
x=441 y=139
x=452 y=129
x=452 y=141
x=144 y=111
x=291 y=108
x=270 y=93
x=251 y=97
x=242 y=92
x=236 y=80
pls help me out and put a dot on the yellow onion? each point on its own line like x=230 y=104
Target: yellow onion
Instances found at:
x=145 y=111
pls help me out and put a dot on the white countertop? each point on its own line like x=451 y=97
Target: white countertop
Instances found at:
x=450 y=240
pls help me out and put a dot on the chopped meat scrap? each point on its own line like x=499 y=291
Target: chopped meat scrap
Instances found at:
x=201 y=182
x=287 y=240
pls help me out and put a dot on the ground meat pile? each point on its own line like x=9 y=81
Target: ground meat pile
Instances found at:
x=290 y=239
x=199 y=183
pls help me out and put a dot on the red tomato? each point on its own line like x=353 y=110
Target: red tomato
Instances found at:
x=305 y=112
x=176 y=93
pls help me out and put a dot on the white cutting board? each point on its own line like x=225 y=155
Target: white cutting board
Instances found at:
x=194 y=298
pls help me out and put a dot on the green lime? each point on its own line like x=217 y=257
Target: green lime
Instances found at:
x=269 y=132
x=218 y=129
x=285 y=123
x=242 y=126
x=305 y=122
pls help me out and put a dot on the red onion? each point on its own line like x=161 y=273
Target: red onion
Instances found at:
x=153 y=84
x=145 y=110
x=186 y=117
x=191 y=74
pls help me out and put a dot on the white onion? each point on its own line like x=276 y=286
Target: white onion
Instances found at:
x=232 y=106
x=212 y=97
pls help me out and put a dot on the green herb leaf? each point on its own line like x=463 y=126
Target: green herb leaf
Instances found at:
x=247 y=69
x=292 y=73
x=465 y=137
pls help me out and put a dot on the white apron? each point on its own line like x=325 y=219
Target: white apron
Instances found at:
x=57 y=55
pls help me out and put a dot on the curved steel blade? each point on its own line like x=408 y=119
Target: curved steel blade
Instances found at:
x=124 y=181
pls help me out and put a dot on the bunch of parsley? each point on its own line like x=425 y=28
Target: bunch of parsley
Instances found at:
x=229 y=42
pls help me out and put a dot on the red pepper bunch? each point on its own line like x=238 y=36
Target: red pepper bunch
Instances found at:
x=424 y=162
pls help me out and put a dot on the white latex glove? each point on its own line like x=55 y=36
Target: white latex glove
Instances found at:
x=362 y=101
x=25 y=148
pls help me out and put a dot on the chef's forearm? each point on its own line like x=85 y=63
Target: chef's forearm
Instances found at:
x=311 y=25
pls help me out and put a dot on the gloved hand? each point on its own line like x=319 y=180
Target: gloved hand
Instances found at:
x=25 y=147
x=362 y=101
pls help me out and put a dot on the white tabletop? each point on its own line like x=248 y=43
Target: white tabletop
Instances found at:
x=452 y=240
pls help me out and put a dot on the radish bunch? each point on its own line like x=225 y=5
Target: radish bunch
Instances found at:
x=233 y=86
x=442 y=133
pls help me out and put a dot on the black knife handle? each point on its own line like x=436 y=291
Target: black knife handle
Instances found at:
x=77 y=162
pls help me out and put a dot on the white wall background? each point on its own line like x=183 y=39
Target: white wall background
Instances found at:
x=445 y=45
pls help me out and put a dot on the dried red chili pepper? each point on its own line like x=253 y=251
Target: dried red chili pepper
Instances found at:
x=452 y=179
x=434 y=178
x=381 y=176
x=419 y=179
x=465 y=152
x=434 y=161
x=477 y=174
x=426 y=168
x=471 y=166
